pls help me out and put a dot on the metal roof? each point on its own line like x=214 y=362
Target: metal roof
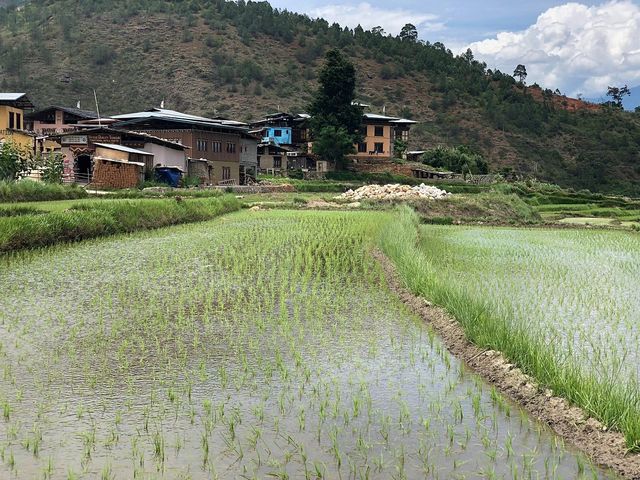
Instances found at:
x=185 y=121
x=11 y=97
x=85 y=114
x=175 y=115
x=19 y=100
x=122 y=148
x=385 y=118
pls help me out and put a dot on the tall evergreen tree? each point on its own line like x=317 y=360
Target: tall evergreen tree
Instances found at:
x=333 y=110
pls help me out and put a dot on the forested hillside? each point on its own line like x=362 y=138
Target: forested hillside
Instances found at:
x=243 y=60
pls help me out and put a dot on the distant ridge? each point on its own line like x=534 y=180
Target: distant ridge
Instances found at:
x=242 y=60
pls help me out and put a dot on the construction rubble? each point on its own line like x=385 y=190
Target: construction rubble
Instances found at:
x=393 y=192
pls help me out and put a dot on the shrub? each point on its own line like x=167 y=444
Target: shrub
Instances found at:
x=459 y=159
x=30 y=191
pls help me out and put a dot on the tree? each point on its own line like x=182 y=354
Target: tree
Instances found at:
x=617 y=94
x=520 y=72
x=409 y=33
x=468 y=56
x=637 y=109
x=52 y=167
x=332 y=109
x=333 y=144
x=14 y=161
x=400 y=147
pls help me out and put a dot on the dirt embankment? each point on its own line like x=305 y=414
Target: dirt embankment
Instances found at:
x=605 y=448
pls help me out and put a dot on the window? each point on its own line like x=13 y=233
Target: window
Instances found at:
x=18 y=121
x=202 y=145
x=216 y=146
x=379 y=131
x=226 y=173
x=231 y=147
x=378 y=147
x=277 y=162
x=362 y=147
x=277 y=133
x=12 y=120
x=258 y=160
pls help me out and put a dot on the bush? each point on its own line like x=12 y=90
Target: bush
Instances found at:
x=459 y=160
x=30 y=191
x=52 y=168
x=106 y=218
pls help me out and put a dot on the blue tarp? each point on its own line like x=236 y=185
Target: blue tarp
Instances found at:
x=169 y=175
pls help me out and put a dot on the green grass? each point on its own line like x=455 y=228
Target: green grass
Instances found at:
x=532 y=296
x=31 y=191
x=97 y=218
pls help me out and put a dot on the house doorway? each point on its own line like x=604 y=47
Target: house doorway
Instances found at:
x=83 y=168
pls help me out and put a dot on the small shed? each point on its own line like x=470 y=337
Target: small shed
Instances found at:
x=117 y=166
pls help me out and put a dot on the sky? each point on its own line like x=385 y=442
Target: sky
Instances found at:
x=578 y=47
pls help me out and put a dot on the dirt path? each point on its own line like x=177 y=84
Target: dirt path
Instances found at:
x=605 y=448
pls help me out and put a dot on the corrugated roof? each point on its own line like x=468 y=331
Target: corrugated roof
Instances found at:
x=174 y=115
x=122 y=148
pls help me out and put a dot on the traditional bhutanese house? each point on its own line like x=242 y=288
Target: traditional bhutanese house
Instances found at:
x=80 y=150
x=283 y=129
x=56 y=119
x=218 y=141
x=379 y=133
x=13 y=107
x=272 y=158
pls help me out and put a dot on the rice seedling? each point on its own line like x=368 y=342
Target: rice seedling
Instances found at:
x=531 y=294
x=255 y=344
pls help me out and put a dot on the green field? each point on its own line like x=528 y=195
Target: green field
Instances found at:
x=561 y=304
x=258 y=345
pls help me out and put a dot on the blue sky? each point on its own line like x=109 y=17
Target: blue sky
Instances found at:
x=580 y=47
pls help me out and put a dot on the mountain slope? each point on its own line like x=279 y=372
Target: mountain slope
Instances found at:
x=246 y=59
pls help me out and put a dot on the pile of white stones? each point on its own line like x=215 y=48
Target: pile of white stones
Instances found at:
x=394 y=192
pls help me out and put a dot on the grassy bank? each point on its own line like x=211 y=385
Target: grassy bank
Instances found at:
x=555 y=363
x=30 y=191
x=97 y=219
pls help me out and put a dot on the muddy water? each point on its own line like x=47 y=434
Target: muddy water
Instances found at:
x=248 y=347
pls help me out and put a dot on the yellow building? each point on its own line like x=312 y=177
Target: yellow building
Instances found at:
x=12 y=111
x=379 y=133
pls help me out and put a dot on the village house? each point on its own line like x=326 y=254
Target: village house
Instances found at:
x=117 y=158
x=218 y=142
x=55 y=119
x=283 y=129
x=284 y=143
x=13 y=108
x=272 y=158
x=379 y=134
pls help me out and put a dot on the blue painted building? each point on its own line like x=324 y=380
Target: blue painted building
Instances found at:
x=277 y=135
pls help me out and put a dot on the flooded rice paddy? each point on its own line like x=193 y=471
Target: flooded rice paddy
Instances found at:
x=257 y=345
x=576 y=288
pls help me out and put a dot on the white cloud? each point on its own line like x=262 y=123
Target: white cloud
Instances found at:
x=369 y=16
x=576 y=48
